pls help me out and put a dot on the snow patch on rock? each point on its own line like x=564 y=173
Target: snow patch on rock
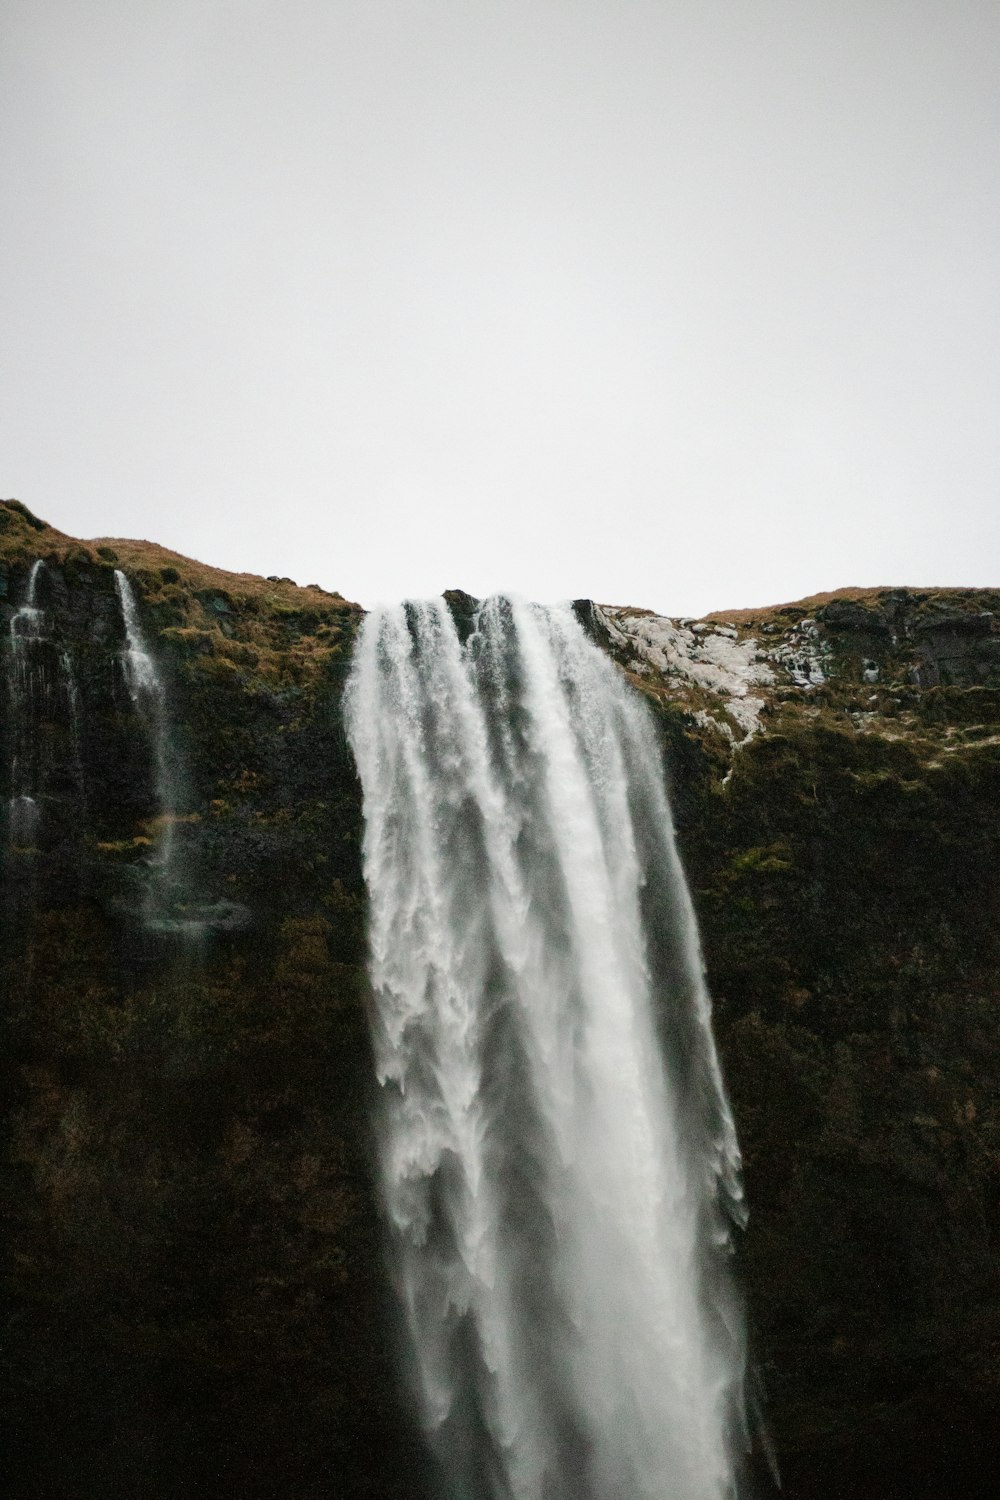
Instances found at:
x=802 y=655
x=710 y=656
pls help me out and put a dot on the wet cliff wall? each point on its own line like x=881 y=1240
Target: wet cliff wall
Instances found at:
x=193 y=1297
x=192 y=1278
x=837 y=786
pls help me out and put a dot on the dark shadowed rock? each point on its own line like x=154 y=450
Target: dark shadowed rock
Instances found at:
x=194 y=1297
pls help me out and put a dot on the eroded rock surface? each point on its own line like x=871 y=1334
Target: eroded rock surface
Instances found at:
x=195 y=1303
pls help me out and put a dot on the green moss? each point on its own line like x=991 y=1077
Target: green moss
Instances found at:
x=189 y=640
x=770 y=859
x=218 y=668
x=25 y=514
x=125 y=848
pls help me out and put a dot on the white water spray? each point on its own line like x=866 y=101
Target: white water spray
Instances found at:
x=173 y=904
x=559 y=1160
x=148 y=694
x=43 y=692
x=25 y=628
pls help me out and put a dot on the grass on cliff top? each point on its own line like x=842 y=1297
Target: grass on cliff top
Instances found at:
x=960 y=598
x=23 y=537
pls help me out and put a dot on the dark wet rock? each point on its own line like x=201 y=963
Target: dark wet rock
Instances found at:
x=844 y=614
x=194 y=1297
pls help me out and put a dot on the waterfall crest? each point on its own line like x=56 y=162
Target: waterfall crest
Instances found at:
x=560 y=1167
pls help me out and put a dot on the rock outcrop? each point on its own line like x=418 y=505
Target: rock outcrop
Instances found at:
x=194 y=1300
x=837 y=785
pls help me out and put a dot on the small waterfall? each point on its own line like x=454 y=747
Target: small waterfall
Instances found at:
x=146 y=689
x=43 y=694
x=25 y=688
x=560 y=1167
x=173 y=907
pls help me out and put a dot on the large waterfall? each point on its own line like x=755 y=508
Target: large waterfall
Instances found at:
x=560 y=1167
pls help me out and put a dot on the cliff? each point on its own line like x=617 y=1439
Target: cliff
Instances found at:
x=194 y=1298
x=837 y=786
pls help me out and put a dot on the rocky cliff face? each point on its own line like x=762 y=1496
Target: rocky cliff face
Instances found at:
x=194 y=1301
x=837 y=770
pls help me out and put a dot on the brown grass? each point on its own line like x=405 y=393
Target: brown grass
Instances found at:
x=134 y=555
x=858 y=595
x=198 y=575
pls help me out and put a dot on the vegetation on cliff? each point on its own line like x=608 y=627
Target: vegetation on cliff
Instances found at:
x=192 y=1273
x=845 y=857
x=194 y=1299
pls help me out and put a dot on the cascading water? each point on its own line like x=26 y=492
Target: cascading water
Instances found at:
x=173 y=905
x=43 y=698
x=148 y=694
x=26 y=687
x=560 y=1167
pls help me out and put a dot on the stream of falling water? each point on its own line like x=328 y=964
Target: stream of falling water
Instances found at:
x=148 y=694
x=560 y=1168
x=43 y=691
x=26 y=684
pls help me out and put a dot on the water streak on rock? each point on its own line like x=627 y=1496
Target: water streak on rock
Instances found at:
x=148 y=694
x=44 y=705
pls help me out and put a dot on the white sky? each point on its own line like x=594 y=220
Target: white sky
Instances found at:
x=684 y=303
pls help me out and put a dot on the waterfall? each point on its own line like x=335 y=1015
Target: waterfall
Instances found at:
x=174 y=904
x=26 y=685
x=148 y=694
x=43 y=697
x=559 y=1162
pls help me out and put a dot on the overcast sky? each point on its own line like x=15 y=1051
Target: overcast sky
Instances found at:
x=683 y=303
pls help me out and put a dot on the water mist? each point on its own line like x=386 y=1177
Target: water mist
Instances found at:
x=44 y=714
x=148 y=694
x=560 y=1168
